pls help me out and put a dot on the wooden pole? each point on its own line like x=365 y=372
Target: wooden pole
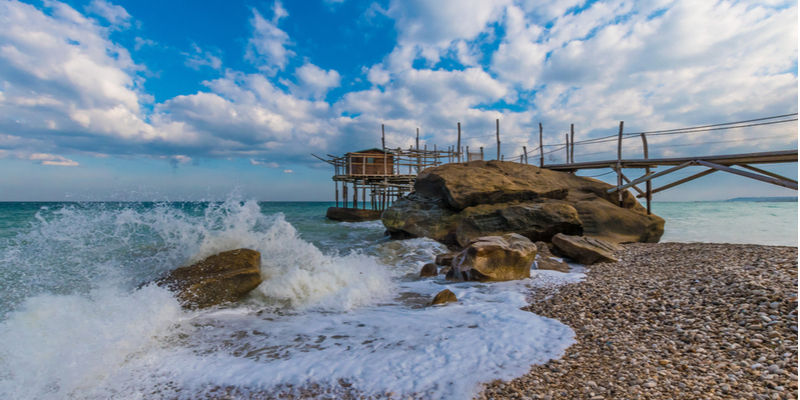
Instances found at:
x=458 y=147
x=619 y=162
x=649 y=184
x=572 y=143
x=525 y=151
x=767 y=173
x=481 y=153
x=521 y=158
x=541 y=147
x=337 y=193
x=355 y=195
x=498 y=139
x=467 y=153
x=567 y=147
x=779 y=182
x=651 y=176
x=417 y=138
x=684 y=180
x=344 y=194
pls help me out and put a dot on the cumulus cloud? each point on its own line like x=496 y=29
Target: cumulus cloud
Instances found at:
x=39 y=158
x=267 y=47
x=116 y=15
x=288 y=171
x=314 y=81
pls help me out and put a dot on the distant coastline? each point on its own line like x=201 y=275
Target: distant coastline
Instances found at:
x=787 y=199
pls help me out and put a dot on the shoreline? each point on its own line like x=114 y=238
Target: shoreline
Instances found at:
x=672 y=320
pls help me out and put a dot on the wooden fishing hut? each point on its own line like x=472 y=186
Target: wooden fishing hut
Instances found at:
x=379 y=177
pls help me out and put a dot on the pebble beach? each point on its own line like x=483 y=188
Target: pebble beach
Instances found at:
x=672 y=321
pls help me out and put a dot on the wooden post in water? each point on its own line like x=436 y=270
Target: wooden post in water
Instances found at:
x=525 y=151
x=541 y=147
x=355 y=194
x=336 y=183
x=364 y=195
x=344 y=194
x=619 y=162
x=572 y=143
x=498 y=139
x=649 y=184
x=458 y=146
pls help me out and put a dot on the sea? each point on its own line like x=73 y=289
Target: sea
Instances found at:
x=341 y=307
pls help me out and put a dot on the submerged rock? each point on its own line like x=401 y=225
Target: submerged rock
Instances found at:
x=585 y=250
x=428 y=271
x=445 y=296
x=455 y=203
x=494 y=258
x=221 y=278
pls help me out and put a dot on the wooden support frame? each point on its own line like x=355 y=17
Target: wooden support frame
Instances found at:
x=652 y=176
x=680 y=182
x=625 y=178
x=762 y=178
x=767 y=173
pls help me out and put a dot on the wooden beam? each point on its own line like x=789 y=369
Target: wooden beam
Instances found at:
x=541 y=147
x=619 y=162
x=498 y=139
x=649 y=184
x=769 y=157
x=625 y=178
x=653 y=176
x=682 y=181
x=762 y=178
x=767 y=173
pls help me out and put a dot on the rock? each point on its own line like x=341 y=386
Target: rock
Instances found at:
x=429 y=270
x=535 y=221
x=551 y=264
x=585 y=250
x=353 y=214
x=543 y=249
x=455 y=203
x=445 y=296
x=221 y=278
x=445 y=260
x=494 y=258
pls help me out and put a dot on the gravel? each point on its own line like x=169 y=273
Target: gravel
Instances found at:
x=672 y=321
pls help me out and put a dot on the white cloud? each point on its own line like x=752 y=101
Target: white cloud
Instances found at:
x=202 y=58
x=114 y=14
x=267 y=47
x=314 y=81
x=287 y=171
x=139 y=43
x=263 y=163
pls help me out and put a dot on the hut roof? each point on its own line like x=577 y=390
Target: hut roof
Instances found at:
x=372 y=149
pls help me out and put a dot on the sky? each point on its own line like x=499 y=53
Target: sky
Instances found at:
x=192 y=100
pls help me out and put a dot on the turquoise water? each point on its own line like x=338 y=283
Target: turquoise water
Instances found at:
x=339 y=303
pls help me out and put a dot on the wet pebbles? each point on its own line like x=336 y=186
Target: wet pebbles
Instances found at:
x=673 y=321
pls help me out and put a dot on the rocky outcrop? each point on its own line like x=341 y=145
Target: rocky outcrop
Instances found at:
x=352 y=214
x=444 y=260
x=494 y=258
x=445 y=296
x=585 y=250
x=455 y=203
x=429 y=270
x=221 y=278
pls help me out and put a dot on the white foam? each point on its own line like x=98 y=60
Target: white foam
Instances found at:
x=355 y=317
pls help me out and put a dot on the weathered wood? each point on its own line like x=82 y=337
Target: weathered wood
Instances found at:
x=458 y=147
x=482 y=154
x=541 y=147
x=767 y=173
x=762 y=178
x=567 y=148
x=649 y=184
x=619 y=162
x=525 y=152
x=336 y=184
x=680 y=182
x=498 y=139
x=625 y=178
x=620 y=188
x=769 y=157
x=572 y=143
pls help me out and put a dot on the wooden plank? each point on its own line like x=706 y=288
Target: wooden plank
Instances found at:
x=572 y=143
x=619 y=162
x=647 y=178
x=767 y=173
x=682 y=181
x=762 y=178
x=458 y=146
x=541 y=147
x=769 y=157
x=567 y=147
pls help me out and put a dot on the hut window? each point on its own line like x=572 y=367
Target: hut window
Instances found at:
x=370 y=160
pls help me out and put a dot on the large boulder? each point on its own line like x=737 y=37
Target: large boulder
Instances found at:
x=221 y=278
x=353 y=214
x=455 y=203
x=585 y=250
x=535 y=221
x=494 y=258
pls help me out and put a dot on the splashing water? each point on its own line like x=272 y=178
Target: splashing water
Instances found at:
x=78 y=319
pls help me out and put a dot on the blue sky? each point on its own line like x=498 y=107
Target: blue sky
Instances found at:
x=138 y=100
